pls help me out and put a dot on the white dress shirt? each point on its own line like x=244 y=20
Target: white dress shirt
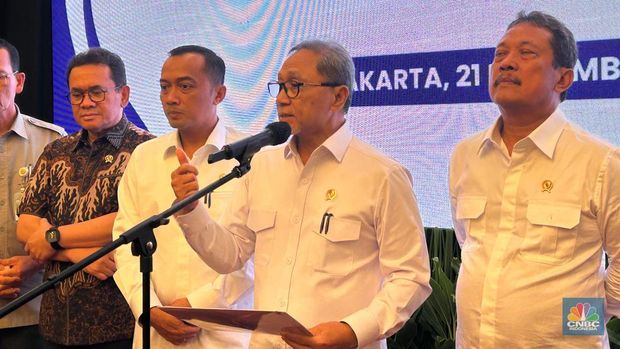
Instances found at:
x=369 y=268
x=533 y=227
x=177 y=271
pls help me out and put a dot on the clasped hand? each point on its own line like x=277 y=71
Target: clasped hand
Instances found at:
x=37 y=246
x=13 y=271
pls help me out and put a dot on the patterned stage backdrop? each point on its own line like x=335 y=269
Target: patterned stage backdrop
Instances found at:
x=422 y=66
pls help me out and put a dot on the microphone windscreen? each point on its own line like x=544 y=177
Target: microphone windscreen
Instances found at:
x=280 y=130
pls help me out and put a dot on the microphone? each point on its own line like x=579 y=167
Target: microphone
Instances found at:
x=274 y=133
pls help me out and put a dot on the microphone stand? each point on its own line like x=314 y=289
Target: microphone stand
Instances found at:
x=143 y=243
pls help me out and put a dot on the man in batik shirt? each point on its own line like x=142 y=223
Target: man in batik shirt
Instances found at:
x=70 y=205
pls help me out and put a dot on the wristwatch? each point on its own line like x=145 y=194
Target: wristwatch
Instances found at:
x=52 y=235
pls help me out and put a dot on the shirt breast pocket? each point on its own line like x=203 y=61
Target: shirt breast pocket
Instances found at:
x=333 y=250
x=261 y=222
x=218 y=202
x=470 y=213
x=550 y=237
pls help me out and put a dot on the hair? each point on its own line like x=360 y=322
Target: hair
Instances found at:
x=562 y=40
x=13 y=54
x=214 y=65
x=335 y=63
x=98 y=55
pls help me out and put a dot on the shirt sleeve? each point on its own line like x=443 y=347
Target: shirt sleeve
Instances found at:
x=127 y=276
x=403 y=258
x=609 y=222
x=453 y=173
x=226 y=291
x=224 y=247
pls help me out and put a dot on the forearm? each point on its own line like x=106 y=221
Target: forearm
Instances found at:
x=220 y=249
x=94 y=232
x=26 y=225
x=73 y=255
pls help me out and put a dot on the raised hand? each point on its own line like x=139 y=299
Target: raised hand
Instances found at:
x=184 y=181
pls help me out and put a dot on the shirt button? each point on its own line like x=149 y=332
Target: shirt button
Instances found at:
x=289 y=260
x=305 y=181
x=282 y=303
x=295 y=219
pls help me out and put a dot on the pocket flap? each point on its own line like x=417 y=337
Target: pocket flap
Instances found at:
x=261 y=219
x=341 y=229
x=470 y=207
x=555 y=214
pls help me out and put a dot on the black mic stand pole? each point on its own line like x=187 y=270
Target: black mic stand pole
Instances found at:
x=143 y=243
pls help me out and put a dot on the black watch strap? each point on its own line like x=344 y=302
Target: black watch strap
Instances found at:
x=52 y=235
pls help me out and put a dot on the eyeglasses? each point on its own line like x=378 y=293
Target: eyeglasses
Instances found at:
x=96 y=94
x=4 y=77
x=291 y=87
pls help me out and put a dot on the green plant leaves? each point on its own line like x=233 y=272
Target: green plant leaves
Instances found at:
x=433 y=325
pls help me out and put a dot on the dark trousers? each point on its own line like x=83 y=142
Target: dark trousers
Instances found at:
x=123 y=344
x=26 y=337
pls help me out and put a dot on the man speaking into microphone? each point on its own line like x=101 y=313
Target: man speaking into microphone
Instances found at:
x=332 y=223
x=192 y=86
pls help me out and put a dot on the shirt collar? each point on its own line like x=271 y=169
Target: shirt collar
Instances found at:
x=491 y=136
x=19 y=126
x=336 y=144
x=114 y=135
x=545 y=136
x=217 y=139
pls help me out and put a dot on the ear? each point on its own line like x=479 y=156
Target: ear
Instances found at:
x=565 y=80
x=124 y=91
x=21 y=80
x=220 y=93
x=341 y=95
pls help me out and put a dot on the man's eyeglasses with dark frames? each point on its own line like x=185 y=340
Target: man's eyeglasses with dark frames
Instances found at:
x=96 y=94
x=292 y=88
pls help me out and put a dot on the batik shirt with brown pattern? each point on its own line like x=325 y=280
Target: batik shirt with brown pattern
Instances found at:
x=74 y=181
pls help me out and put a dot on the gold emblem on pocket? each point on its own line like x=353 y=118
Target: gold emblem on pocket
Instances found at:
x=330 y=195
x=108 y=159
x=547 y=185
x=23 y=171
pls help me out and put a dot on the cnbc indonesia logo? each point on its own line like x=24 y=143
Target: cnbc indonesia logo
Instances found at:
x=583 y=316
